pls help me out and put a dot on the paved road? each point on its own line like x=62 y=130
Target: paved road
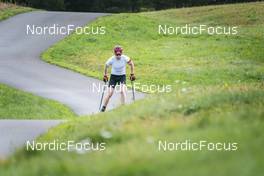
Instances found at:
x=21 y=67
x=15 y=133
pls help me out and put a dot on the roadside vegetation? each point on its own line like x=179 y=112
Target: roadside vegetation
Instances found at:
x=16 y=104
x=217 y=96
x=7 y=10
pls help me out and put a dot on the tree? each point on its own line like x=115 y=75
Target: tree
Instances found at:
x=44 y=4
x=116 y=6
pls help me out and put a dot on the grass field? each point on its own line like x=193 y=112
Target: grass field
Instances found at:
x=227 y=59
x=8 y=10
x=217 y=97
x=16 y=104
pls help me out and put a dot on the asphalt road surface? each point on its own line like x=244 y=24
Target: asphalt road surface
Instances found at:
x=15 y=133
x=22 y=68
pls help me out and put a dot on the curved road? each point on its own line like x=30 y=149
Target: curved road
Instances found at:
x=21 y=67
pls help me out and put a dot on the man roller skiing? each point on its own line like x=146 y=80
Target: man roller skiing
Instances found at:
x=118 y=74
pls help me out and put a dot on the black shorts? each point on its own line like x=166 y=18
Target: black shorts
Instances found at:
x=117 y=80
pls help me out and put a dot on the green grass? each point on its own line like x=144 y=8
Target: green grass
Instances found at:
x=16 y=104
x=169 y=58
x=217 y=96
x=8 y=10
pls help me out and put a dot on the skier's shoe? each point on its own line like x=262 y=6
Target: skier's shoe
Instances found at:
x=103 y=109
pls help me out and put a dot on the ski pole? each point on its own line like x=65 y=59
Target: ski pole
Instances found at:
x=101 y=101
x=133 y=90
